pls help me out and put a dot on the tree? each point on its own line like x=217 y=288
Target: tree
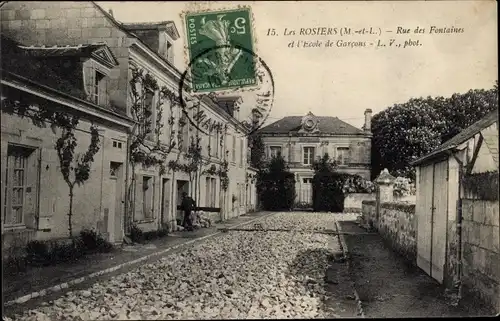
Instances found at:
x=75 y=168
x=257 y=150
x=276 y=185
x=462 y=110
x=147 y=147
x=327 y=185
x=405 y=132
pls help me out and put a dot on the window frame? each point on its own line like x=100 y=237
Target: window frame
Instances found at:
x=312 y=155
x=275 y=147
x=344 y=157
x=150 y=186
x=7 y=181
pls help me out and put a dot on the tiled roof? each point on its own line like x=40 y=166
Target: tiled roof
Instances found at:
x=326 y=124
x=62 y=51
x=144 y=25
x=490 y=136
x=50 y=72
x=461 y=137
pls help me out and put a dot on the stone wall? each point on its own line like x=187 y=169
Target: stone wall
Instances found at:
x=481 y=253
x=72 y=23
x=396 y=223
x=353 y=202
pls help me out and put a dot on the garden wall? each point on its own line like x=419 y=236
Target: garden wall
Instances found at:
x=353 y=202
x=396 y=223
x=481 y=251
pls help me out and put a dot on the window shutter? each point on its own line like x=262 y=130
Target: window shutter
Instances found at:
x=153 y=202
x=103 y=92
x=89 y=79
x=31 y=193
x=138 y=199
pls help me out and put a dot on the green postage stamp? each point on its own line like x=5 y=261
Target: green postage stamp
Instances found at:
x=221 y=49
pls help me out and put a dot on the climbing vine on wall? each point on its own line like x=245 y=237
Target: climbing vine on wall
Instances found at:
x=147 y=146
x=74 y=167
x=482 y=185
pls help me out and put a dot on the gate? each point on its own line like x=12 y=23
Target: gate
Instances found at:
x=432 y=212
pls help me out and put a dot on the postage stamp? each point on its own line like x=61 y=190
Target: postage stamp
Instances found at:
x=216 y=42
x=252 y=105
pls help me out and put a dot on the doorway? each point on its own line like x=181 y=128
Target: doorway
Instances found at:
x=182 y=186
x=165 y=201
x=432 y=215
x=116 y=215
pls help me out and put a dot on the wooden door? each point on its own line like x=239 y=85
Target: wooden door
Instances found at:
x=423 y=212
x=116 y=202
x=439 y=220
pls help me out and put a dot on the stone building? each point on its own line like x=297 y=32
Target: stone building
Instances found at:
x=301 y=140
x=56 y=26
x=34 y=194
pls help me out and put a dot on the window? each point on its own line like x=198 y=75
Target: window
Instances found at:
x=169 y=52
x=185 y=132
x=99 y=88
x=17 y=182
x=114 y=167
x=342 y=155
x=234 y=149
x=241 y=152
x=308 y=155
x=211 y=192
x=275 y=151
x=147 y=196
x=217 y=145
x=148 y=112
x=117 y=144
x=307 y=180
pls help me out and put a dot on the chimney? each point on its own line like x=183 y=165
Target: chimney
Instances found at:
x=368 y=120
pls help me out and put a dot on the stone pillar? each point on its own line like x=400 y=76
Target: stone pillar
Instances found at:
x=385 y=189
x=385 y=183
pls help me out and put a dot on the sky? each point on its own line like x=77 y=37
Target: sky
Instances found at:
x=344 y=81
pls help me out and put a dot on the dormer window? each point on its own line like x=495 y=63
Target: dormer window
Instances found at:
x=169 y=52
x=98 y=94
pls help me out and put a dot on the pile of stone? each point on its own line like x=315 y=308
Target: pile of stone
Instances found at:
x=200 y=219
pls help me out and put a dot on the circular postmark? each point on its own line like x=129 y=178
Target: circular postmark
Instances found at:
x=217 y=74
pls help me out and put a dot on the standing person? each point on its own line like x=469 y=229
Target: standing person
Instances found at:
x=187 y=206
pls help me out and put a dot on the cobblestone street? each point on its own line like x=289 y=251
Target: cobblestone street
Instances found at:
x=275 y=271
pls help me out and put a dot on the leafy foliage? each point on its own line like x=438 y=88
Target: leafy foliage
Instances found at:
x=482 y=185
x=257 y=154
x=276 y=185
x=403 y=187
x=146 y=146
x=407 y=131
x=327 y=186
x=75 y=168
x=357 y=184
x=43 y=253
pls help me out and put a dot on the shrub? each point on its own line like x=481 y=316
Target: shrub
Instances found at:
x=92 y=241
x=276 y=186
x=303 y=205
x=136 y=234
x=357 y=184
x=403 y=187
x=328 y=192
x=37 y=253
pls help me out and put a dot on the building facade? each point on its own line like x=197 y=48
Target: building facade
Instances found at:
x=148 y=197
x=301 y=140
x=35 y=201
